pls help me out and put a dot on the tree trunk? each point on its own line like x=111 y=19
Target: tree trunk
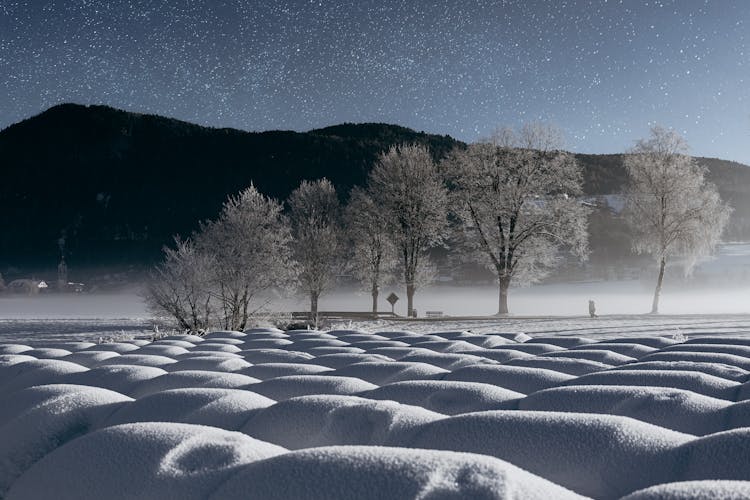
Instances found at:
x=314 y=308
x=375 y=300
x=503 y=286
x=659 y=281
x=409 y=300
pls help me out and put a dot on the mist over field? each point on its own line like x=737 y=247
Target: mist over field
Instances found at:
x=611 y=298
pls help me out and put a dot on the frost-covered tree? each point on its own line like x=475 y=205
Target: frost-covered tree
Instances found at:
x=671 y=208
x=249 y=243
x=180 y=286
x=316 y=227
x=515 y=199
x=406 y=186
x=213 y=278
x=373 y=255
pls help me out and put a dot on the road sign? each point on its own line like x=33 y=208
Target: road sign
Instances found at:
x=392 y=299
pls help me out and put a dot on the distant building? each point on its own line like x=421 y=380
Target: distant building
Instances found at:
x=27 y=286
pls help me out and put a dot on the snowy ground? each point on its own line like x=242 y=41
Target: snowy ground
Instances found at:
x=601 y=408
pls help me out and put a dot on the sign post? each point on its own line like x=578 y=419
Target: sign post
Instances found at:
x=392 y=299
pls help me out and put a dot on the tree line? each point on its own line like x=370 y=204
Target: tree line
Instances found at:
x=511 y=202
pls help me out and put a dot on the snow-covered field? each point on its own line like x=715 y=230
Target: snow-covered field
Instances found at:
x=601 y=408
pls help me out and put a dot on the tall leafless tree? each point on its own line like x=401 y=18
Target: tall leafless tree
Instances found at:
x=180 y=287
x=670 y=206
x=515 y=197
x=373 y=256
x=249 y=242
x=316 y=228
x=406 y=185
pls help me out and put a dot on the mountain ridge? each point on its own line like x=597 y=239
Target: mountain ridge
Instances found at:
x=86 y=180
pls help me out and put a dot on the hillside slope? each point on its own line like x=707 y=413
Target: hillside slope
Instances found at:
x=113 y=186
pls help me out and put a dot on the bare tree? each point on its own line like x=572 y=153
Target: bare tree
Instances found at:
x=406 y=185
x=373 y=256
x=180 y=287
x=316 y=227
x=517 y=205
x=249 y=243
x=670 y=207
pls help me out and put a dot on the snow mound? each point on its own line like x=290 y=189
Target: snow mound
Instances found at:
x=197 y=353
x=47 y=353
x=651 y=341
x=169 y=351
x=266 y=343
x=720 y=340
x=120 y=347
x=565 y=448
x=224 y=408
x=699 y=357
x=396 y=353
x=45 y=418
x=717 y=369
x=310 y=421
x=192 y=378
x=265 y=371
x=304 y=344
x=695 y=490
x=486 y=341
x=37 y=372
x=624 y=348
x=387 y=372
x=90 y=358
x=13 y=359
x=675 y=409
x=723 y=455
x=515 y=378
x=356 y=337
x=737 y=350
x=501 y=355
x=139 y=360
x=565 y=342
x=346 y=359
x=14 y=348
x=530 y=348
x=145 y=460
x=177 y=343
x=449 y=361
x=701 y=383
x=125 y=379
x=224 y=334
x=374 y=344
x=447 y=397
x=215 y=345
x=319 y=351
x=256 y=356
x=446 y=345
x=370 y=473
x=281 y=388
x=599 y=355
x=193 y=339
x=571 y=366
x=210 y=363
x=266 y=330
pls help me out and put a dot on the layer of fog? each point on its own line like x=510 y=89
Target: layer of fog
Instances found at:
x=719 y=286
x=611 y=298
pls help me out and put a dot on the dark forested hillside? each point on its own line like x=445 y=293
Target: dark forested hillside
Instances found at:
x=111 y=186
x=116 y=185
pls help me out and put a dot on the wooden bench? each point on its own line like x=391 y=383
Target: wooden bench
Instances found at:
x=434 y=314
x=342 y=314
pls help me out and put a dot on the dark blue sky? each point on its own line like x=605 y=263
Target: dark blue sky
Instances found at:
x=604 y=71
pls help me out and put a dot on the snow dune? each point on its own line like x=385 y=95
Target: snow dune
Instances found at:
x=392 y=414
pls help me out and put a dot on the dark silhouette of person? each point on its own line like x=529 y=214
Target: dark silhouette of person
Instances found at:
x=592 y=309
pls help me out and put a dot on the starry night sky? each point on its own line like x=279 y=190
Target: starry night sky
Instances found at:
x=604 y=71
